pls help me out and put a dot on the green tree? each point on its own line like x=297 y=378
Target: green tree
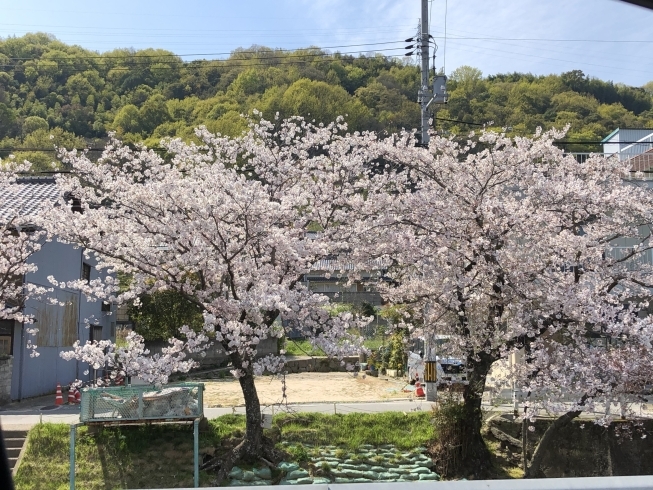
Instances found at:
x=323 y=103
x=160 y=315
x=153 y=113
x=127 y=120
x=648 y=88
x=229 y=124
x=80 y=85
x=32 y=123
x=7 y=121
x=47 y=140
x=125 y=90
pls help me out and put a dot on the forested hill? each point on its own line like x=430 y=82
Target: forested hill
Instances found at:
x=48 y=88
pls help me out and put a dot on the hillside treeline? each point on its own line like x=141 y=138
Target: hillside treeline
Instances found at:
x=53 y=93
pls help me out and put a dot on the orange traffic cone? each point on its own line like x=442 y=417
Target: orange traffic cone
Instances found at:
x=419 y=391
x=58 y=400
x=71 y=395
x=78 y=396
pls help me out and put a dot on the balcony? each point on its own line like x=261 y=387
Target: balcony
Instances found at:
x=640 y=162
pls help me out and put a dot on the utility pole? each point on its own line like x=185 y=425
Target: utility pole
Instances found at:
x=430 y=360
x=424 y=94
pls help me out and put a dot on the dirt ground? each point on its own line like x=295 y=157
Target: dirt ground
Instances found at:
x=307 y=388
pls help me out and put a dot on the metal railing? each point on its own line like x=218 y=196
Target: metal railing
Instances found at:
x=596 y=483
x=640 y=162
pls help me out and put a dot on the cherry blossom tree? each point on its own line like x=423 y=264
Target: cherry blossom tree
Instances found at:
x=511 y=244
x=224 y=223
x=20 y=239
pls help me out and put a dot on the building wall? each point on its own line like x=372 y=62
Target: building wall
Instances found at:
x=59 y=326
x=621 y=142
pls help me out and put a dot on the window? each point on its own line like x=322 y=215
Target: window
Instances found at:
x=5 y=344
x=106 y=307
x=86 y=272
x=96 y=333
x=6 y=336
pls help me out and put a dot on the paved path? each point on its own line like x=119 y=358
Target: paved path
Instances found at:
x=25 y=417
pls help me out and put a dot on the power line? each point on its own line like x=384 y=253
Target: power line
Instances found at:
x=159 y=148
x=224 y=63
x=547 y=58
x=444 y=57
x=540 y=49
x=458 y=121
x=50 y=150
x=94 y=29
x=121 y=57
x=539 y=39
x=603 y=142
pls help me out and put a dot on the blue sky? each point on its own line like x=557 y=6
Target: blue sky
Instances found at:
x=608 y=39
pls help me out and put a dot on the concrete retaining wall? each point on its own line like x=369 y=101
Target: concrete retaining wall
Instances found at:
x=318 y=365
x=584 y=449
x=215 y=356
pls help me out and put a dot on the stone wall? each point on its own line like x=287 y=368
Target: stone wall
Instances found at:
x=584 y=449
x=5 y=379
x=318 y=365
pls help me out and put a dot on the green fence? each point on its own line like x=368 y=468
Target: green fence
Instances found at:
x=142 y=403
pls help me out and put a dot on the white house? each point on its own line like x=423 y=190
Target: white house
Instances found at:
x=633 y=145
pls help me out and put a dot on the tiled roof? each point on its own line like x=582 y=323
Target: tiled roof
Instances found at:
x=335 y=265
x=642 y=162
x=33 y=192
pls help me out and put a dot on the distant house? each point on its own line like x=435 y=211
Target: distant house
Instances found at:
x=634 y=146
x=59 y=326
x=329 y=277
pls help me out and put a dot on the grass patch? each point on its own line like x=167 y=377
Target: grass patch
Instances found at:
x=405 y=431
x=304 y=347
x=374 y=344
x=502 y=467
x=162 y=456
x=114 y=458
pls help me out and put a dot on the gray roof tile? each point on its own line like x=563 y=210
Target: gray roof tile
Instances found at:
x=33 y=192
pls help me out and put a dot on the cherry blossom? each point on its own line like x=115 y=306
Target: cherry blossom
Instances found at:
x=226 y=224
x=511 y=244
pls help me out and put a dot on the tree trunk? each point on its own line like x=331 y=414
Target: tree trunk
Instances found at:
x=475 y=454
x=532 y=470
x=253 y=429
x=255 y=446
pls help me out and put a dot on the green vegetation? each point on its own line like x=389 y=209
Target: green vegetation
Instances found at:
x=162 y=456
x=593 y=108
x=134 y=457
x=160 y=315
x=398 y=358
x=301 y=348
x=304 y=347
x=78 y=96
x=405 y=431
